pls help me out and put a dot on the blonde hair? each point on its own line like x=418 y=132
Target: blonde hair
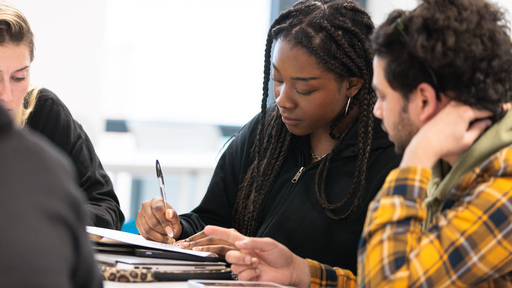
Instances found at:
x=29 y=102
x=15 y=29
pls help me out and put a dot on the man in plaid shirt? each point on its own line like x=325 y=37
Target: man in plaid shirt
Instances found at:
x=443 y=76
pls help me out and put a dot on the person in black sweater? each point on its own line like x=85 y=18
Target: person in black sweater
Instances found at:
x=43 y=242
x=41 y=110
x=304 y=170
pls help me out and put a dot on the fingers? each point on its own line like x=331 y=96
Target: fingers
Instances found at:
x=197 y=236
x=245 y=273
x=507 y=106
x=190 y=242
x=477 y=122
x=245 y=266
x=146 y=230
x=261 y=244
x=220 y=250
x=229 y=235
x=152 y=223
x=470 y=114
x=204 y=242
x=145 y=224
x=241 y=241
x=174 y=229
x=203 y=239
x=158 y=210
x=477 y=128
x=480 y=113
x=240 y=258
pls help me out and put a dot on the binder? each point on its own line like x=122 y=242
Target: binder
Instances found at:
x=149 y=275
x=126 y=257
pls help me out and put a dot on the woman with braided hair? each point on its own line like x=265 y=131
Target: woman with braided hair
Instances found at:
x=304 y=170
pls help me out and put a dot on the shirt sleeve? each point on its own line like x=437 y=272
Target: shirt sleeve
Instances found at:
x=326 y=276
x=468 y=243
x=52 y=119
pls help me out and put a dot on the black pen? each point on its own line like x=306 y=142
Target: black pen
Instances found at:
x=160 y=177
x=161 y=183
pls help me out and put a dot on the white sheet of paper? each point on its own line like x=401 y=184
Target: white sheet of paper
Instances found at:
x=134 y=239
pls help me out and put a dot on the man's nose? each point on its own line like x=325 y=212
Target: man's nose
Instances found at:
x=377 y=109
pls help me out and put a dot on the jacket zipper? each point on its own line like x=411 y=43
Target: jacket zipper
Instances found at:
x=297 y=175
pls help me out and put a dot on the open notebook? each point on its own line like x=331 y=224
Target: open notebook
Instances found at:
x=139 y=246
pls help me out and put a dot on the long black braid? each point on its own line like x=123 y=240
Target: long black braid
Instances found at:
x=336 y=33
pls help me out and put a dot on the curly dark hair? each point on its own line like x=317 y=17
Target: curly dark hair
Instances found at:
x=461 y=46
x=337 y=34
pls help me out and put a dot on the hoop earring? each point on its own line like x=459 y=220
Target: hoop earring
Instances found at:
x=348 y=104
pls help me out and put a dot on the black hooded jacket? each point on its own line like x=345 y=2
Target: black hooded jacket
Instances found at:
x=53 y=120
x=292 y=213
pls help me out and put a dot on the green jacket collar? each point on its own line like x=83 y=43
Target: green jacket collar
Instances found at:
x=443 y=178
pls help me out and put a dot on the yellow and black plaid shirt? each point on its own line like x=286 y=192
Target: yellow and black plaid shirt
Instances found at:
x=469 y=244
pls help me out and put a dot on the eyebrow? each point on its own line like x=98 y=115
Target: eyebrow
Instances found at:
x=21 y=69
x=305 y=79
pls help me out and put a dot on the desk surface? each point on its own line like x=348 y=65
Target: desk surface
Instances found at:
x=170 y=284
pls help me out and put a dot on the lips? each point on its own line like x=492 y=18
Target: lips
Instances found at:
x=290 y=121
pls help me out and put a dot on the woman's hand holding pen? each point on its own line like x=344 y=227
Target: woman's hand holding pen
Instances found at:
x=154 y=223
x=203 y=242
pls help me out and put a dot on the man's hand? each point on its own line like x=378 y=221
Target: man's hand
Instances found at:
x=262 y=259
x=203 y=242
x=156 y=224
x=453 y=130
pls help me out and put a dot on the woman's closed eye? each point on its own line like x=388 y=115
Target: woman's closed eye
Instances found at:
x=18 y=79
x=277 y=80
x=305 y=92
x=19 y=76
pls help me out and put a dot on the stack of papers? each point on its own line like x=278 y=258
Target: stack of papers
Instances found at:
x=120 y=242
x=133 y=262
x=165 y=262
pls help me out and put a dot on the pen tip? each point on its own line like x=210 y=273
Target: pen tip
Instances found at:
x=158 y=169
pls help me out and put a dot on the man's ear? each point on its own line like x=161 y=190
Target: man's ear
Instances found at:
x=354 y=84
x=427 y=101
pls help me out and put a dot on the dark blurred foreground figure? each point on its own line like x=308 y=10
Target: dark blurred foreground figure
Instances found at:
x=43 y=242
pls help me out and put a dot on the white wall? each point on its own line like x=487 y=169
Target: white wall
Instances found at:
x=69 y=53
x=155 y=60
x=379 y=9
x=185 y=61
